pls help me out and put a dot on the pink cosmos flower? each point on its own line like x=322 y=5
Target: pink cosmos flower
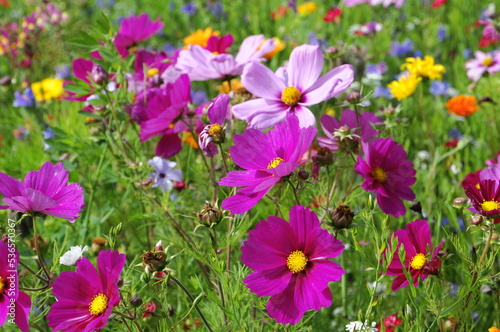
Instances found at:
x=267 y=158
x=85 y=298
x=9 y=291
x=133 y=30
x=388 y=174
x=490 y=34
x=149 y=69
x=485 y=199
x=218 y=45
x=217 y=113
x=45 y=191
x=483 y=63
x=202 y=65
x=359 y=131
x=421 y=257
x=386 y=3
x=291 y=264
x=299 y=87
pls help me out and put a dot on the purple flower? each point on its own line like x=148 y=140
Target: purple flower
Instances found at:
x=302 y=86
x=483 y=63
x=401 y=49
x=27 y=99
x=359 y=131
x=45 y=191
x=201 y=64
x=9 y=291
x=376 y=69
x=85 y=298
x=214 y=133
x=267 y=158
x=442 y=33
x=383 y=92
x=420 y=256
x=149 y=70
x=189 y=8
x=216 y=8
x=133 y=30
x=164 y=173
x=492 y=172
x=387 y=173
x=439 y=88
x=291 y=263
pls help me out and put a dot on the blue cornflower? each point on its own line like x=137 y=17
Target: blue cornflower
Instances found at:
x=27 y=99
x=401 y=49
x=164 y=175
x=439 y=88
x=189 y=8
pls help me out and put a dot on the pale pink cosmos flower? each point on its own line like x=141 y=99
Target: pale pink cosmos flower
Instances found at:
x=202 y=65
x=483 y=63
x=292 y=90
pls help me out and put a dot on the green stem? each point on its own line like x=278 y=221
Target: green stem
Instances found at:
x=39 y=252
x=488 y=242
x=191 y=298
x=294 y=191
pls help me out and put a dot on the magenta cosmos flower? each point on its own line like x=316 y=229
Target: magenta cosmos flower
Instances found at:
x=217 y=112
x=86 y=298
x=360 y=131
x=299 y=86
x=483 y=63
x=388 y=174
x=420 y=256
x=291 y=264
x=486 y=199
x=267 y=158
x=9 y=291
x=45 y=191
x=133 y=30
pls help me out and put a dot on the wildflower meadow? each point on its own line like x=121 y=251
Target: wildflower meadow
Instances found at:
x=216 y=165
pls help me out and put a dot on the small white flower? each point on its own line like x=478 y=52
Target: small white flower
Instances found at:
x=73 y=255
x=358 y=326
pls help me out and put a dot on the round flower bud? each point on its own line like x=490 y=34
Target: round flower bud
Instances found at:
x=209 y=215
x=477 y=220
x=99 y=75
x=135 y=301
x=342 y=217
x=324 y=157
x=303 y=174
x=353 y=97
x=459 y=202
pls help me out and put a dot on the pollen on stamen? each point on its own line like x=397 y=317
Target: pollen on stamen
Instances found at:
x=152 y=72
x=379 y=174
x=291 y=96
x=490 y=205
x=418 y=261
x=296 y=261
x=488 y=61
x=99 y=304
x=275 y=162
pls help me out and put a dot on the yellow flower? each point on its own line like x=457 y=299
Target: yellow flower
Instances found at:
x=49 y=88
x=226 y=87
x=493 y=329
x=405 y=86
x=424 y=68
x=307 y=8
x=279 y=45
x=200 y=37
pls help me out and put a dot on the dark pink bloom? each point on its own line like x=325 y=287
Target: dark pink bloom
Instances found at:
x=149 y=70
x=332 y=15
x=471 y=179
x=486 y=199
x=149 y=309
x=360 y=131
x=291 y=263
x=438 y=3
x=481 y=64
x=201 y=64
x=390 y=323
x=266 y=159
x=219 y=45
x=45 y=191
x=490 y=34
x=419 y=254
x=9 y=292
x=388 y=174
x=133 y=30
x=293 y=92
x=213 y=133
x=85 y=298
x=82 y=69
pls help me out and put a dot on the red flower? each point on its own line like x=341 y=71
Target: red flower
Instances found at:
x=390 y=323
x=150 y=309
x=438 y=3
x=451 y=144
x=333 y=15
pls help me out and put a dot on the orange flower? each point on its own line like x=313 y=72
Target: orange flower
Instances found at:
x=4 y=3
x=462 y=105
x=493 y=329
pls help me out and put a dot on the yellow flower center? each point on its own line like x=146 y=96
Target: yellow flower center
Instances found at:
x=215 y=129
x=490 y=205
x=3 y=285
x=99 y=304
x=418 y=261
x=379 y=174
x=291 y=96
x=152 y=72
x=488 y=61
x=275 y=162
x=296 y=261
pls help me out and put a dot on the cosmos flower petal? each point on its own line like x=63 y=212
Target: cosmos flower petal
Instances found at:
x=262 y=81
x=305 y=66
x=329 y=85
x=268 y=282
x=260 y=113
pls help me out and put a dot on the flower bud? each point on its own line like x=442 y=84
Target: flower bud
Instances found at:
x=324 y=157
x=99 y=75
x=353 y=97
x=154 y=261
x=432 y=267
x=303 y=174
x=344 y=130
x=135 y=301
x=6 y=80
x=477 y=220
x=342 y=217
x=159 y=246
x=209 y=215
x=459 y=202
